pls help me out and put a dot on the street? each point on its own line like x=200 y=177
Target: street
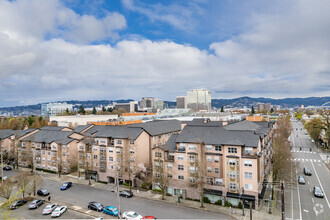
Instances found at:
x=300 y=202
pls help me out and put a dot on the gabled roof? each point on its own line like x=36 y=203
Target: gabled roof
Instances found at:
x=170 y=144
x=121 y=132
x=243 y=126
x=5 y=133
x=159 y=127
x=204 y=122
x=80 y=128
x=54 y=128
x=48 y=136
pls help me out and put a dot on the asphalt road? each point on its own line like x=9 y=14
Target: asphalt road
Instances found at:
x=80 y=195
x=300 y=202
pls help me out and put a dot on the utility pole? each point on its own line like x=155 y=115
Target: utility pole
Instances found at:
x=270 y=199
x=282 y=194
x=34 y=172
x=243 y=199
x=118 y=198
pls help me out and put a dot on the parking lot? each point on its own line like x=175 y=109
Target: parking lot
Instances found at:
x=24 y=213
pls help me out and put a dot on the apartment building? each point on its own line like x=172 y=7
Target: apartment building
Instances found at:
x=224 y=162
x=50 y=150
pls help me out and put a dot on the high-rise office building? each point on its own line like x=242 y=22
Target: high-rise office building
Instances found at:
x=56 y=108
x=181 y=102
x=199 y=99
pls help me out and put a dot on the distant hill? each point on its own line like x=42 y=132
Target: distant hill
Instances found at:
x=236 y=102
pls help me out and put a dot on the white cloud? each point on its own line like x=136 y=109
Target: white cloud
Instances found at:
x=279 y=57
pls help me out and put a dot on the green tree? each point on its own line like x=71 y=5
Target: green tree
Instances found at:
x=314 y=128
x=110 y=109
x=222 y=109
x=94 y=111
x=30 y=119
x=271 y=110
x=81 y=110
x=103 y=109
x=252 y=110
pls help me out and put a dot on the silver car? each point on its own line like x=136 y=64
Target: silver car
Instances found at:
x=58 y=211
x=49 y=209
x=36 y=203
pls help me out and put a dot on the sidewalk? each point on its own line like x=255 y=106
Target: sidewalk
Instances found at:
x=235 y=213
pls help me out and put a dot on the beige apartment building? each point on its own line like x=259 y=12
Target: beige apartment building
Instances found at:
x=224 y=162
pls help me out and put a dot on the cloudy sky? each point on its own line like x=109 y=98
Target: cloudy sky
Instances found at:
x=68 y=49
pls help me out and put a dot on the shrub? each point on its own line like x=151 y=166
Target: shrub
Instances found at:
x=45 y=170
x=219 y=202
x=157 y=190
x=239 y=205
x=227 y=204
x=125 y=184
x=168 y=194
x=104 y=182
x=206 y=200
x=144 y=185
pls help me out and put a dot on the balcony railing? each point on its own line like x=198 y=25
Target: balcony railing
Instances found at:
x=248 y=154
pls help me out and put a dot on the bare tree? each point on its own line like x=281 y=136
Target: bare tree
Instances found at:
x=200 y=172
x=6 y=189
x=160 y=177
x=23 y=181
x=59 y=160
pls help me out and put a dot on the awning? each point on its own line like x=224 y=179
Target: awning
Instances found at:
x=213 y=192
x=239 y=196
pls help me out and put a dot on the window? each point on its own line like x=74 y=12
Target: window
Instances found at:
x=191 y=158
x=248 y=163
x=158 y=154
x=169 y=165
x=95 y=164
x=232 y=150
x=54 y=146
x=43 y=152
x=154 y=138
x=209 y=158
x=248 y=175
x=218 y=148
x=95 y=156
x=118 y=142
x=81 y=147
x=63 y=146
x=157 y=164
x=88 y=156
x=209 y=169
x=154 y=145
x=208 y=147
x=111 y=167
x=131 y=141
x=248 y=186
x=232 y=186
x=218 y=181
x=192 y=169
x=132 y=159
x=118 y=159
x=102 y=149
x=232 y=174
x=63 y=153
x=110 y=158
x=232 y=162
x=95 y=148
x=48 y=152
x=110 y=149
x=43 y=159
x=118 y=150
x=192 y=147
x=180 y=157
x=180 y=177
x=249 y=150
x=157 y=175
x=169 y=176
x=191 y=180
x=102 y=141
x=160 y=136
x=216 y=170
x=180 y=167
x=216 y=159
x=209 y=180
x=182 y=147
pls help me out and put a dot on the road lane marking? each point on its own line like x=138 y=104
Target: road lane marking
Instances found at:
x=88 y=211
x=306 y=210
x=318 y=209
x=319 y=161
x=314 y=160
x=298 y=200
x=312 y=199
x=302 y=160
x=308 y=182
x=317 y=176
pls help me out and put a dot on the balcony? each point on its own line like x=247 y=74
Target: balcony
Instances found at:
x=249 y=154
x=181 y=149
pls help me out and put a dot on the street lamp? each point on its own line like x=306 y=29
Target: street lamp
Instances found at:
x=242 y=196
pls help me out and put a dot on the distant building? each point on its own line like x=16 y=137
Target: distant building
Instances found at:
x=159 y=105
x=148 y=103
x=181 y=102
x=264 y=106
x=129 y=107
x=53 y=109
x=199 y=99
x=76 y=120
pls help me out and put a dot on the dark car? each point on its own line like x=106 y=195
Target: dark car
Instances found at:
x=301 y=180
x=42 y=192
x=7 y=168
x=17 y=203
x=36 y=203
x=126 y=193
x=318 y=192
x=307 y=171
x=96 y=206
x=66 y=186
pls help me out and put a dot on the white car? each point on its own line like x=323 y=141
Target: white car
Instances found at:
x=58 y=211
x=49 y=209
x=132 y=215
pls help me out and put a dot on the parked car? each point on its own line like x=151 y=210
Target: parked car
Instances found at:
x=131 y=215
x=125 y=193
x=318 y=192
x=49 y=209
x=307 y=171
x=301 y=180
x=149 y=217
x=4 y=178
x=66 y=186
x=42 y=192
x=111 y=210
x=7 y=168
x=59 y=211
x=36 y=203
x=17 y=203
x=96 y=206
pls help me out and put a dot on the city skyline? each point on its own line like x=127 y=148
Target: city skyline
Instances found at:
x=82 y=50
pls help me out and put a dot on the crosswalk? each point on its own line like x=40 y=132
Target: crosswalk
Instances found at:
x=305 y=160
x=306 y=152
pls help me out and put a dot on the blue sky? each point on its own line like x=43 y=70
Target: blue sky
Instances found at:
x=69 y=49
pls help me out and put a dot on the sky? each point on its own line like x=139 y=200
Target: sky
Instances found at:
x=55 y=50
